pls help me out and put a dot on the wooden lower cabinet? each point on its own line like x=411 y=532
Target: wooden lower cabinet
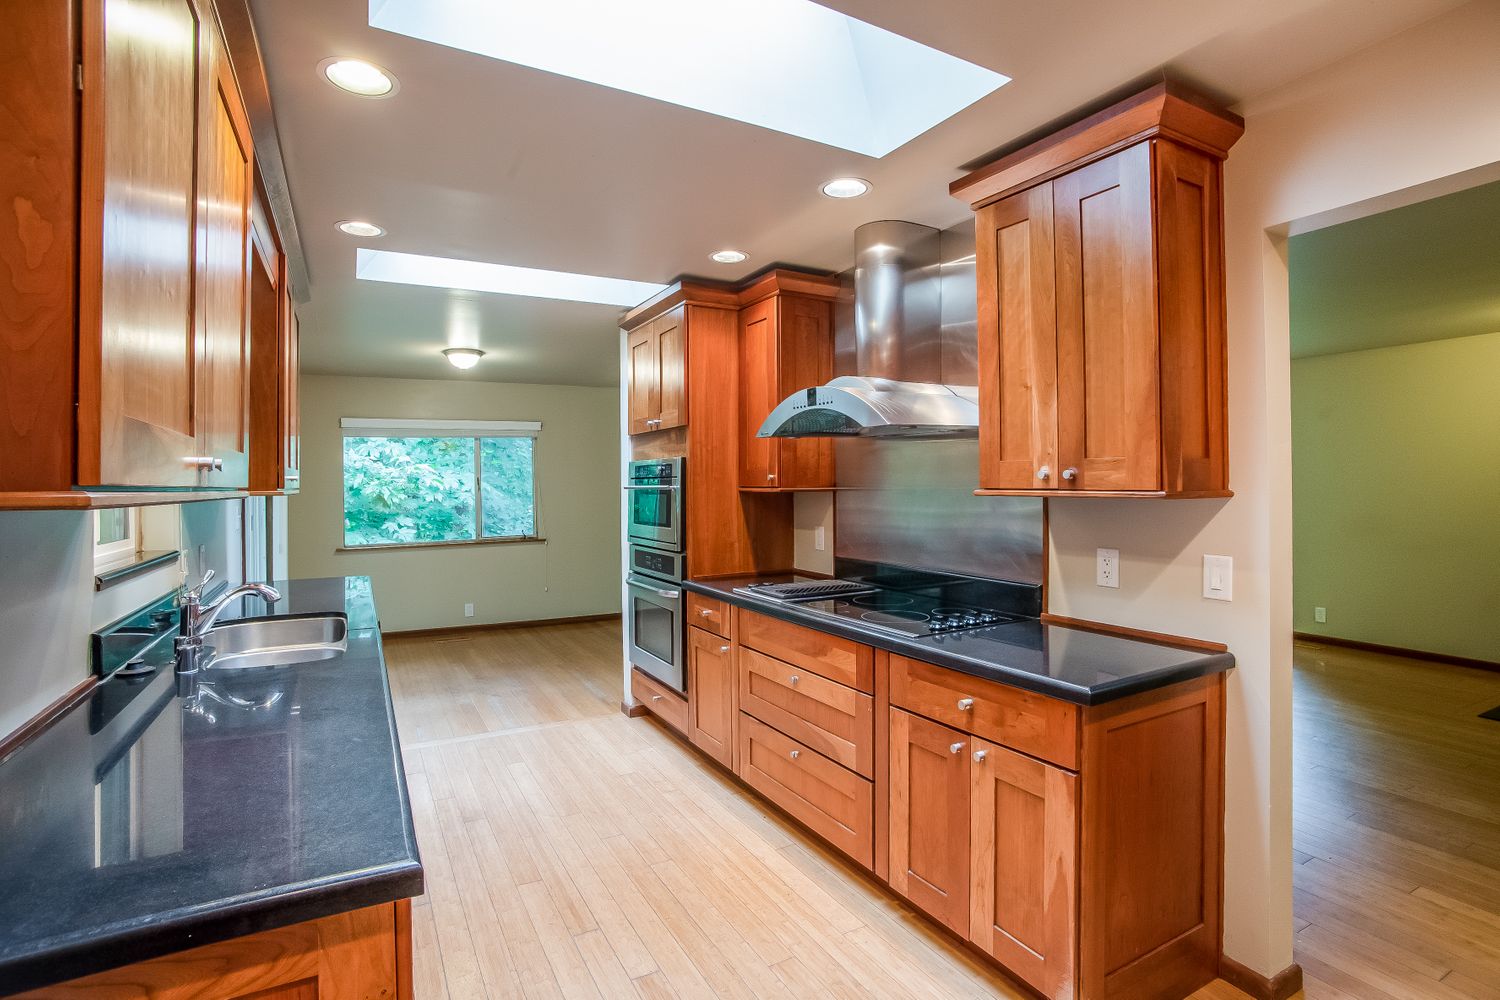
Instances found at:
x=662 y=702
x=360 y=955
x=930 y=817
x=712 y=681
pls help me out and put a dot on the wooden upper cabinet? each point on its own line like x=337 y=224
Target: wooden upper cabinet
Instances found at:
x=1101 y=305
x=274 y=351
x=929 y=817
x=786 y=344
x=225 y=188
x=656 y=383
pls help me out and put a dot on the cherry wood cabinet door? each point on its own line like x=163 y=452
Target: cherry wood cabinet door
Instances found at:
x=1014 y=252
x=671 y=368
x=1108 y=409
x=712 y=676
x=929 y=817
x=137 y=394
x=1023 y=853
x=643 y=382
x=804 y=358
x=225 y=186
x=760 y=458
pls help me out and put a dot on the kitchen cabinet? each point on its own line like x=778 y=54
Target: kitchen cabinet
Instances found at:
x=364 y=953
x=786 y=344
x=275 y=438
x=656 y=380
x=711 y=680
x=929 y=817
x=1099 y=254
x=667 y=705
x=130 y=367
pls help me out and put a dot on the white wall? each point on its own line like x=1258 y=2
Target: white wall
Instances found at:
x=577 y=571
x=1405 y=113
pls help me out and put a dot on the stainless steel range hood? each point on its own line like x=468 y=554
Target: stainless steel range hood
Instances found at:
x=897 y=390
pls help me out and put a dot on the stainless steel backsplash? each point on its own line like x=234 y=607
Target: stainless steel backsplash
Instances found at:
x=911 y=503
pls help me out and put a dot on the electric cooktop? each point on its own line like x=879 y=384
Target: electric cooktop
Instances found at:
x=893 y=611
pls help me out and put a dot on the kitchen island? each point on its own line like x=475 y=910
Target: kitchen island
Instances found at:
x=263 y=807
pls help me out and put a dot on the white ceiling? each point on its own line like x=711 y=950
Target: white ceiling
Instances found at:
x=486 y=160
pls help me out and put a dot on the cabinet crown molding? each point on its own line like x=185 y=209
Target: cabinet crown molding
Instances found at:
x=1166 y=109
x=727 y=295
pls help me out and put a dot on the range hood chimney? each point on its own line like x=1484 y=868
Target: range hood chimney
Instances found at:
x=898 y=389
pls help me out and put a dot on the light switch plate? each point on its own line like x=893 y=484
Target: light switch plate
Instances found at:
x=820 y=538
x=1107 y=568
x=468 y=611
x=1218 y=578
x=1320 y=615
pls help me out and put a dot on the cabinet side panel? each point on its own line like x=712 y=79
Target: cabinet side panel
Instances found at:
x=38 y=192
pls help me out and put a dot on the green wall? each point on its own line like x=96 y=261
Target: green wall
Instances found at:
x=1396 y=494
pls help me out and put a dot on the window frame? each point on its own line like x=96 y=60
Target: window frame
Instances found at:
x=475 y=431
x=113 y=555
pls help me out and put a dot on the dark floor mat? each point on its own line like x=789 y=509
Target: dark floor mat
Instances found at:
x=1493 y=713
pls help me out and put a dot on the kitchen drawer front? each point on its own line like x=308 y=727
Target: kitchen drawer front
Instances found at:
x=830 y=656
x=833 y=802
x=1022 y=720
x=709 y=613
x=831 y=718
x=664 y=703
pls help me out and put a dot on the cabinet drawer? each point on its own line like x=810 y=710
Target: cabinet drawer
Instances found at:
x=1022 y=720
x=830 y=656
x=709 y=613
x=833 y=802
x=835 y=720
x=664 y=703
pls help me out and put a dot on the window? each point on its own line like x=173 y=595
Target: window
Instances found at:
x=438 y=482
x=117 y=537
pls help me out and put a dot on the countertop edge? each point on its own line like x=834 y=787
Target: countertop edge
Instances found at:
x=1201 y=665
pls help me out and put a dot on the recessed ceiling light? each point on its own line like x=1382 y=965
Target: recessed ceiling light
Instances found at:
x=502 y=279
x=352 y=227
x=463 y=357
x=356 y=76
x=846 y=187
x=875 y=90
x=727 y=256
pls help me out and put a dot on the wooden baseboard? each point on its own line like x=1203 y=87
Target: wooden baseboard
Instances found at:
x=35 y=725
x=451 y=630
x=1415 y=654
x=1284 y=984
x=633 y=711
x=1125 y=632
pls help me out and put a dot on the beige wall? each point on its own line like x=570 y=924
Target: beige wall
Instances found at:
x=576 y=572
x=1402 y=114
x=1396 y=472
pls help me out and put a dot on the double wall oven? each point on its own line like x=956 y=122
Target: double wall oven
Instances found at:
x=655 y=570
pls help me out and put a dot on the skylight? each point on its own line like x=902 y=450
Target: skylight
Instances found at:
x=789 y=65
x=503 y=279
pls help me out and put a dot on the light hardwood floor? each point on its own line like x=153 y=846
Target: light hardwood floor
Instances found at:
x=572 y=852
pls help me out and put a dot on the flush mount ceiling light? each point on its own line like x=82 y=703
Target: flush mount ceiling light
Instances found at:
x=728 y=256
x=463 y=357
x=501 y=279
x=352 y=227
x=358 y=77
x=875 y=90
x=846 y=187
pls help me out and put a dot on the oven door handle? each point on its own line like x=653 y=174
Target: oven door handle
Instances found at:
x=637 y=582
x=668 y=486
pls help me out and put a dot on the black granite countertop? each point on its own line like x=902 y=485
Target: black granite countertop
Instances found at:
x=165 y=813
x=1087 y=668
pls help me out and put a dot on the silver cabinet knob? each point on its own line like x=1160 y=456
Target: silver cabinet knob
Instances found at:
x=656 y=697
x=965 y=704
x=980 y=755
x=956 y=747
x=795 y=754
x=1070 y=473
x=723 y=649
x=792 y=680
x=1044 y=473
x=770 y=477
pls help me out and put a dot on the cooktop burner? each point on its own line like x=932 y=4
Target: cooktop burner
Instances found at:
x=883 y=600
x=905 y=614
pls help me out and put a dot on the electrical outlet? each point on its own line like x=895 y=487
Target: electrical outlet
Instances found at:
x=820 y=538
x=1320 y=615
x=1218 y=578
x=1107 y=568
x=468 y=611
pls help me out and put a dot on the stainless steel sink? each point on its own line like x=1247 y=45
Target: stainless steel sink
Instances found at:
x=270 y=642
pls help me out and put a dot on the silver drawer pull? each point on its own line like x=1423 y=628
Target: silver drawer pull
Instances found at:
x=956 y=747
x=792 y=680
x=705 y=612
x=965 y=704
x=980 y=755
x=723 y=649
x=656 y=697
x=796 y=754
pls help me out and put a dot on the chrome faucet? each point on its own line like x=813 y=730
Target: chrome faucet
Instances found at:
x=198 y=618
